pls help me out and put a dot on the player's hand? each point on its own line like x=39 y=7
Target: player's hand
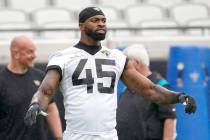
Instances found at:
x=34 y=110
x=189 y=102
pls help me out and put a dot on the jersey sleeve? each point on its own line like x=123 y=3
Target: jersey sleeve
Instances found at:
x=122 y=60
x=57 y=62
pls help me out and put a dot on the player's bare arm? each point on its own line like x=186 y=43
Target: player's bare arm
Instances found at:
x=47 y=89
x=142 y=86
x=43 y=96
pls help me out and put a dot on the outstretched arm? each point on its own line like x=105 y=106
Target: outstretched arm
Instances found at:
x=142 y=86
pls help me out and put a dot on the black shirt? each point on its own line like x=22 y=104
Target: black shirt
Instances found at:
x=16 y=91
x=139 y=119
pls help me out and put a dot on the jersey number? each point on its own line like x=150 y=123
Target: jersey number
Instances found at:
x=89 y=80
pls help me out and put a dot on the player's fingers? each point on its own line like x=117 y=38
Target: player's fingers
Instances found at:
x=187 y=109
x=190 y=108
x=33 y=117
x=30 y=117
x=27 y=118
x=193 y=108
x=191 y=105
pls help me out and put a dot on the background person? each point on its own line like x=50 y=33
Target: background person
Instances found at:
x=18 y=83
x=140 y=119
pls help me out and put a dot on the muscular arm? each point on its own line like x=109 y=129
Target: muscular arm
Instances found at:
x=47 y=89
x=41 y=100
x=142 y=86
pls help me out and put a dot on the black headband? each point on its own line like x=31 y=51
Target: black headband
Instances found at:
x=89 y=12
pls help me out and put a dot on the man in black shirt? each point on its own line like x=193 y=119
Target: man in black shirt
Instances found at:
x=18 y=83
x=140 y=119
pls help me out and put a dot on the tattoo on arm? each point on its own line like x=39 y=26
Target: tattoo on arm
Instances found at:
x=165 y=96
x=47 y=89
x=142 y=86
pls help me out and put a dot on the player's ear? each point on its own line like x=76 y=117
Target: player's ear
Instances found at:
x=81 y=26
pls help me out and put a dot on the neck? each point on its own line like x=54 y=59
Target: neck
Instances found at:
x=89 y=41
x=17 y=68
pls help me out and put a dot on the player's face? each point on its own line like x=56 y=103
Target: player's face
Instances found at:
x=95 y=27
x=27 y=55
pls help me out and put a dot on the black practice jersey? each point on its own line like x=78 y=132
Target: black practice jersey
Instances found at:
x=16 y=91
x=138 y=118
